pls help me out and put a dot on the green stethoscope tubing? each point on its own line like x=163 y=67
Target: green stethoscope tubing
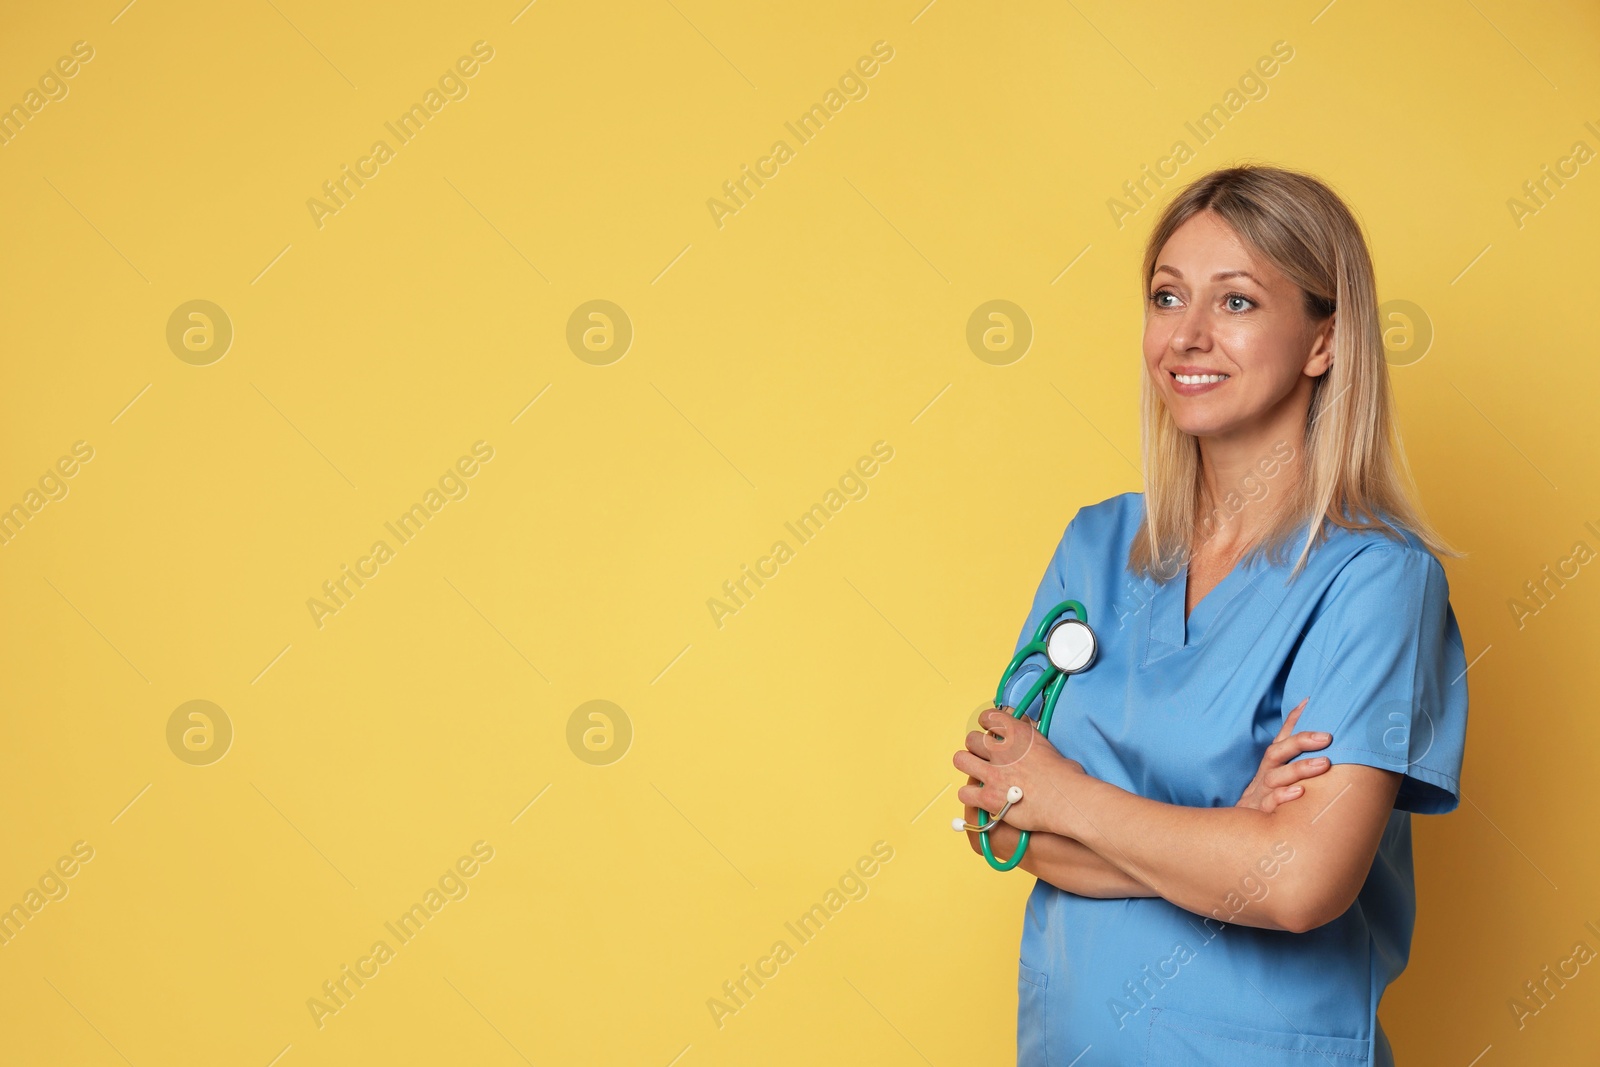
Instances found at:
x=1052 y=681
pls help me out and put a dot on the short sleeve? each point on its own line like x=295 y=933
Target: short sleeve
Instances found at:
x=1382 y=668
x=1051 y=591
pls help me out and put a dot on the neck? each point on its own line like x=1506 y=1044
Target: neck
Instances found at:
x=1246 y=477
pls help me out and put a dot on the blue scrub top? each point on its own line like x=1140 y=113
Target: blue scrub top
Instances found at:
x=1181 y=711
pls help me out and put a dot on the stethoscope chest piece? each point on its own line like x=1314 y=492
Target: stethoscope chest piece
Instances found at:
x=1071 y=646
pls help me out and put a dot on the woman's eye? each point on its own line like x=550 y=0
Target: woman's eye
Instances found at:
x=1235 y=296
x=1155 y=297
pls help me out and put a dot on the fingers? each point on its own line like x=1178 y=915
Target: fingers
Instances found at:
x=970 y=814
x=997 y=724
x=1009 y=740
x=1001 y=839
x=1279 y=796
x=978 y=793
x=971 y=764
x=1290 y=719
x=1290 y=747
x=1290 y=773
x=996 y=720
x=998 y=727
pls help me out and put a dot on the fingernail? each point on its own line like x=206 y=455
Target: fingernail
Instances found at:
x=1294 y=789
x=1320 y=761
x=1322 y=736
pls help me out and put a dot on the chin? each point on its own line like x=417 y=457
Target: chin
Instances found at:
x=1200 y=427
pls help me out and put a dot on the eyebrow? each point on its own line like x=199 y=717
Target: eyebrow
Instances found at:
x=1217 y=277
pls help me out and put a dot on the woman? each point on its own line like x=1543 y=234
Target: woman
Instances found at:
x=1176 y=920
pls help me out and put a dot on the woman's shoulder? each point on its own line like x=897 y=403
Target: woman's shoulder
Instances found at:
x=1112 y=521
x=1392 y=553
x=1111 y=509
x=1391 y=535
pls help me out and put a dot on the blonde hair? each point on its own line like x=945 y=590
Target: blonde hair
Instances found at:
x=1352 y=458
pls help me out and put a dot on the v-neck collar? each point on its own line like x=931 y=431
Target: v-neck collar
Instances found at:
x=1169 y=632
x=1167 y=624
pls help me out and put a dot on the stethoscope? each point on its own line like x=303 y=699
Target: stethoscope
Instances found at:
x=1070 y=646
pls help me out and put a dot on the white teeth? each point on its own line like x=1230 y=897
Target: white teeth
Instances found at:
x=1200 y=379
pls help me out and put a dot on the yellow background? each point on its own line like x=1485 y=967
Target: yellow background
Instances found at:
x=769 y=754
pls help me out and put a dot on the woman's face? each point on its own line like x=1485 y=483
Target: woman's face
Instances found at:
x=1217 y=309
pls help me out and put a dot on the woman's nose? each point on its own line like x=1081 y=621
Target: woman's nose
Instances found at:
x=1192 y=331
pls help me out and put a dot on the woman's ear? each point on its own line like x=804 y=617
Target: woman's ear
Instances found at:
x=1320 y=359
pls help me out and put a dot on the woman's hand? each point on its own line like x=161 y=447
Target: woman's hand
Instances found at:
x=1003 y=838
x=1011 y=752
x=1276 y=779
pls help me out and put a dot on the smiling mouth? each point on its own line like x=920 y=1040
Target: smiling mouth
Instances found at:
x=1200 y=379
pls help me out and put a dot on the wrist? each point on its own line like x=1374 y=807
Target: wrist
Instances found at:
x=1064 y=805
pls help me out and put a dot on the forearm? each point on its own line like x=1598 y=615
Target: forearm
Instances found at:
x=1064 y=863
x=1227 y=863
x=1077 y=868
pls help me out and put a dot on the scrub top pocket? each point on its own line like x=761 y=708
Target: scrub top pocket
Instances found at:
x=1175 y=1037
x=1033 y=1046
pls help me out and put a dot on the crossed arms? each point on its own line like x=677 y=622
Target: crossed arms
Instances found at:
x=1291 y=855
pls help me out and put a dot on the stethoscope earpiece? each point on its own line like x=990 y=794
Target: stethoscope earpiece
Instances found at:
x=1013 y=796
